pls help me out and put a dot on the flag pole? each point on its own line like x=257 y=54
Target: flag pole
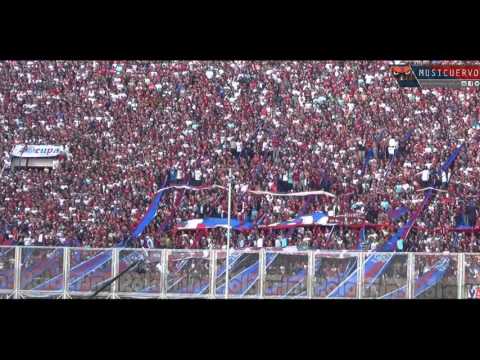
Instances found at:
x=229 y=214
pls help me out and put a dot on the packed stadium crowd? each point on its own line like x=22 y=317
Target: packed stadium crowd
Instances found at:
x=133 y=127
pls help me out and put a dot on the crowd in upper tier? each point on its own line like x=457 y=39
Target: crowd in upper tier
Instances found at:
x=132 y=127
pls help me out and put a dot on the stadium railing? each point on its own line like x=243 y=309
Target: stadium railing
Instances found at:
x=67 y=273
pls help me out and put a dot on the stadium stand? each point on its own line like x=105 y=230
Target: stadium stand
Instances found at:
x=130 y=127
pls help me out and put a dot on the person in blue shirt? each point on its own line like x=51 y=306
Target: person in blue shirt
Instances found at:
x=400 y=245
x=173 y=176
x=385 y=205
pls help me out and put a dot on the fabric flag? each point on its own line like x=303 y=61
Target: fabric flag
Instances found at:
x=403 y=232
x=397 y=213
x=399 y=293
x=335 y=280
x=298 y=194
x=462 y=223
x=372 y=264
x=99 y=260
x=375 y=265
x=233 y=258
x=37 y=269
x=82 y=269
x=451 y=159
x=149 y=216
x=474 y=292
x=212 y=222
x=303 y=210
x=346 y=287
x=431 y=277
x=242 y=282
x=177 y=200
x=152 y=210
x=277 y=288
x=316 y=218
x=425 y=282
x=91 y=265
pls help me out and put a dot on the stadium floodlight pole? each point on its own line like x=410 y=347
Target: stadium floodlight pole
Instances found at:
x=229 y=230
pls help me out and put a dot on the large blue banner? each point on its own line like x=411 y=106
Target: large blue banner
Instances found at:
x=149 y=216
x=431 y=277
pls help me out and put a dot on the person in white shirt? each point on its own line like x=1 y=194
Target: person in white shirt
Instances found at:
x=27 y=241
x=425 y=177
x=150 y=244
x=392 y=147
x=239 y=149
x=264 y=146
x=444 y=179
x=198 y=177
x=259 y=242
x=6 y=162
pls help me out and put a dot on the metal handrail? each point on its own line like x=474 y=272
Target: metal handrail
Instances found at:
x=212 y=255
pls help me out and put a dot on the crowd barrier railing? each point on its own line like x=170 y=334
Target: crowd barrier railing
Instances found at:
x=71 y=273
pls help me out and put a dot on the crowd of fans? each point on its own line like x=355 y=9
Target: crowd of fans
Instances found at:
x=132 y=127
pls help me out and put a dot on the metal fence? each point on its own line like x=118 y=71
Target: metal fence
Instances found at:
x=67 y=273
